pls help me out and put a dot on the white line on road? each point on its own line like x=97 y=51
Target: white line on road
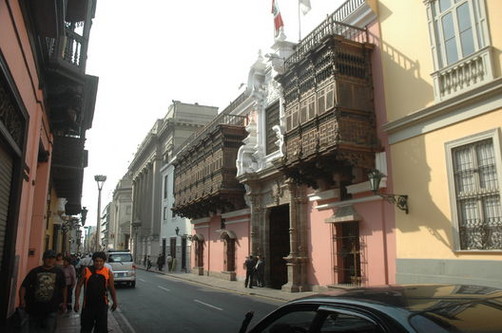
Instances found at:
x=165 y=289
x=141 y=280
x=209 y=305
x=124 y=319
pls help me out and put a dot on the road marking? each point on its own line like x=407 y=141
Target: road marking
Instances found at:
x=165 y=289
x=141 y=280
x=124 y=319
x=209 y=305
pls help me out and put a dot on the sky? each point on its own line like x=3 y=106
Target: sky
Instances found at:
x=148 y=53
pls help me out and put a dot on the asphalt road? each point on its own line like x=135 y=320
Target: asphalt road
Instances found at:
x=163 y=304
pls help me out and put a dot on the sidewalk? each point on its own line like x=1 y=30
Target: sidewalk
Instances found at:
x=71 y=322
x=233 y=286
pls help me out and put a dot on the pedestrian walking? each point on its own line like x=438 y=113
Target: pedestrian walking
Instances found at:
x=97 y=281
x=43 y=293
x=169 y=262
x=260 y=271
x=71 y=280
x=148 y=263
x=160 y=261
x=249 y=266
x=59 y=260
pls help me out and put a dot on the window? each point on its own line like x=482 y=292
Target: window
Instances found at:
x=475 y=167
x=272 y=119
x=325 y=99
x=165 y=187
x=460 y=46
x=456 y=29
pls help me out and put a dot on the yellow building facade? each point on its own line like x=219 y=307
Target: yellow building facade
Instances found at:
x=441 y=66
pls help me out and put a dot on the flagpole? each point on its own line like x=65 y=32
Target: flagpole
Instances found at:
x=299 y=24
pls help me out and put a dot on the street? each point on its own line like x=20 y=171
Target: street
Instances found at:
x=160 y=303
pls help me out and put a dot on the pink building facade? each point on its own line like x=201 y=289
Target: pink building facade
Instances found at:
x=37 y=119
x=310 y=211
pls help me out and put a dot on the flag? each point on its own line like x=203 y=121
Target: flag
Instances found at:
x=278 y=23
x=305 y=6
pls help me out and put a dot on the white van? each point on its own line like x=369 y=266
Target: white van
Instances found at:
x=124 y=269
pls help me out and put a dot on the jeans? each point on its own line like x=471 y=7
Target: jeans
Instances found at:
x=94 y=316
x=43 y=323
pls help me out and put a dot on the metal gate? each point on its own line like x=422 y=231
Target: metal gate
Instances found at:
x=348 y=253
x=5 y=185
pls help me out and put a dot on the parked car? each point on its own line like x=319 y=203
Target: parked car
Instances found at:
x=124 y=269
x=405 y=308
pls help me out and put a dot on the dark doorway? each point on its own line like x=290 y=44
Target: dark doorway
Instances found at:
x=184 y=254
x=164 y=245
x=279 y=245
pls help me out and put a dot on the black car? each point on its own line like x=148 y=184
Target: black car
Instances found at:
x=404 y=308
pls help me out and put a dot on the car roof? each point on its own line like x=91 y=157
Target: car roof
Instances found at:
x=413 y=298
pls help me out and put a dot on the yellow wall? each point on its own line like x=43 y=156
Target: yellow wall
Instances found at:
x=421 y=172
x=53 y=207
x=494 y=9
x=406 y=54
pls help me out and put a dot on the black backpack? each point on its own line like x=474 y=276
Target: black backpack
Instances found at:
x=95 y=289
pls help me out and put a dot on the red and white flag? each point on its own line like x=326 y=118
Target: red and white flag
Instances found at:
x=305 y=6
x=278 y=23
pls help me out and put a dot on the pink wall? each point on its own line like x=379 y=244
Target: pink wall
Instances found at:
x=214 y=245
x=320 y=272
x=16 y=49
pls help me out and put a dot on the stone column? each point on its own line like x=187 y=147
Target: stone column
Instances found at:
x=296 y=260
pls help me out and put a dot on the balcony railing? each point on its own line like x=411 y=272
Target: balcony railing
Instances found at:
x=464 y=74
x=329 y=27
x=223 y=118
x=70 y=49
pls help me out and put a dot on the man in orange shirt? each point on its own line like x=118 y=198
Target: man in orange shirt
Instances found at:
x=97 y=279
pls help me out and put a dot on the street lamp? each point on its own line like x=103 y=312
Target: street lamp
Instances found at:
x=400 y=200
x=100 y=180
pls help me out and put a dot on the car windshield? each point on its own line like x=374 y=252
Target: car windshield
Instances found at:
x=456 y=316
x=120 y=257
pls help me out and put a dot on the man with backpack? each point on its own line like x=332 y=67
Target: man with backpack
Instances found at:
x=97 y=280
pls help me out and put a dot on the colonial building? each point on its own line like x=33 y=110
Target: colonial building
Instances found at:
x=313 y=112
x=205 y=188
x=443 y=95
x=120 y=215
x=46 y=106
x=148 y=229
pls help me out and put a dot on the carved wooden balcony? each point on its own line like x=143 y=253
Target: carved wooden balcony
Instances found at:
x=61 y=32
x=329 y=112
x=205 y=170
x=68 y=162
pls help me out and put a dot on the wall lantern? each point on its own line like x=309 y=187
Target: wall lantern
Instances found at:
x=177 y=231
x=400 y=200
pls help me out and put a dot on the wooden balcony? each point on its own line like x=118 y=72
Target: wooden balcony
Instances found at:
x=329 y=112
x=61 y=32
x=205 y=170
x=68 y=162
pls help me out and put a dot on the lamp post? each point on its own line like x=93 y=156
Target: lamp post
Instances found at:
x=100 y=180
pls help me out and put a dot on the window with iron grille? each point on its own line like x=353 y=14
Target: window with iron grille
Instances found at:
x=271 y=119
x=475 y=171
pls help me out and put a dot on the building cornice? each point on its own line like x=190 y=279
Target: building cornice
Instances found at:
x=478 y=101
